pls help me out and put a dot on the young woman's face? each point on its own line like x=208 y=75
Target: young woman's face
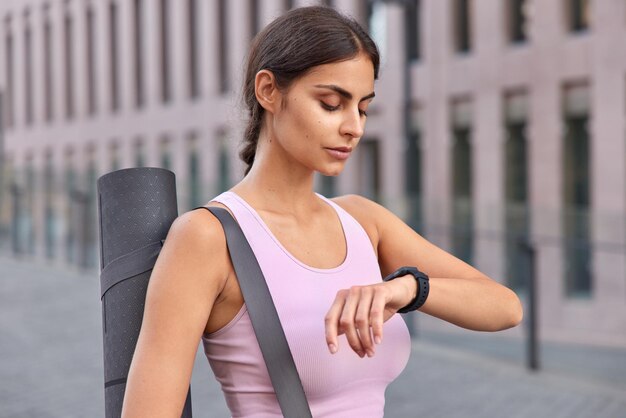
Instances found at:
x=325 y=110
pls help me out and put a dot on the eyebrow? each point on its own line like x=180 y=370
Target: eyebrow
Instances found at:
x=344 y=92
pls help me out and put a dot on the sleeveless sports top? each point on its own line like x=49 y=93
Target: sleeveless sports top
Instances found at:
x=336 y=385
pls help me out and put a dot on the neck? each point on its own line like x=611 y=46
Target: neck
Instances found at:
x=277 y=183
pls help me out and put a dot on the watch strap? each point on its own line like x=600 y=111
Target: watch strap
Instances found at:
x=423 y=287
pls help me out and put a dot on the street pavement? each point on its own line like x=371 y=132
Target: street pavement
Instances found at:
x=51 y=363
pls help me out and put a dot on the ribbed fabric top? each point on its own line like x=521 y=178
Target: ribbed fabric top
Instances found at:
x=336 y=385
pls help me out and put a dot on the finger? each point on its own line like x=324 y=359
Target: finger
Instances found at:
x=376 y=315
x=331 y=321
x=362 y=320
x=346 y=322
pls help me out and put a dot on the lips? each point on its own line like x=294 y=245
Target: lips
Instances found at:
x=340 y=153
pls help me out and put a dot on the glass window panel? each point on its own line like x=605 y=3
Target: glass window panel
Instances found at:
x=516 y=222
x=224 y=163
x=28 y=70
x=10 y=79
x=518 y=20
x=579 y=14
x=369 y=169
x=164 y=29
x=138 y=29
x=462 y=25
x=68 y=39
x=195 y=187
x=166 y=154
x=576 y=192
x=462 y=217
x=90 y=54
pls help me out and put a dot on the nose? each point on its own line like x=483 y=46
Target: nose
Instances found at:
x=353 y=124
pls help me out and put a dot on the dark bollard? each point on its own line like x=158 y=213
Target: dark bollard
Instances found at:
x=532 y=352
x=16 y=195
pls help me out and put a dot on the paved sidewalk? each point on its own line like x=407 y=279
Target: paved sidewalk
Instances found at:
x=51 y=364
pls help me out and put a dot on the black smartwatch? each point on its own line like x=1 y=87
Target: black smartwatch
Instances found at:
x=423 y=286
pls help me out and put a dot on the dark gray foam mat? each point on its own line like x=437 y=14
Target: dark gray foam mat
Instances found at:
x=136 y=207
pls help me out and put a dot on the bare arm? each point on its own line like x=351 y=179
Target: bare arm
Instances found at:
x=459 y=293
x=187 y=278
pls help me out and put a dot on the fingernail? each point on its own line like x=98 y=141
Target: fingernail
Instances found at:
x=361 y=354
x=370 y=353
x=332 y=348
x=377 y=339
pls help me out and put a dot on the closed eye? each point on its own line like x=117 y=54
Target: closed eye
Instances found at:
x=329 y=107
x=334 y=108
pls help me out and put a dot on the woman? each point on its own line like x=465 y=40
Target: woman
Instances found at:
x=308 y=83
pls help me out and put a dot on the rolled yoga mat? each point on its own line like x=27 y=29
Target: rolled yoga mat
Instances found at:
x=136 y=209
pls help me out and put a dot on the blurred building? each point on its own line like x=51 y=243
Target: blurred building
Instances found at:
x=522 y=115
x=514 y=130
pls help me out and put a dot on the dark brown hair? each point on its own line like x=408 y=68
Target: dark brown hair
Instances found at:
x=289 y=47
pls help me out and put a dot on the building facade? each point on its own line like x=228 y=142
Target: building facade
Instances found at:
x=516 y=130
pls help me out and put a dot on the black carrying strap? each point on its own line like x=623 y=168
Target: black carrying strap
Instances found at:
x=129 y=265
x=264 y=318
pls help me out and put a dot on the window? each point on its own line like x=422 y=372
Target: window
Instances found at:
x=71 y=213
x=166 y=93
x=90 y=53
x=518 y=20
x=90 y=237
x=413 y=164
x=462 y=217
x=10 y=80
x=140 y=158
x=576 y=191
x=368 y=159
x=115 y=158
x=68 y=36
x=30 y=204
x=222 y=24
x=462 y=28
x=166 y=156
x=49 y=212
x=413 y=28
x=328 y=185
x=516 y=223
x=47 y=65
x=224 y=162
x=253 y=15
x=195 y=186
x=2 y=122
x=192 y=34
x=138 y=55
x=578 y=15
x=113 y=57
x=375 y=21
x=28 y=70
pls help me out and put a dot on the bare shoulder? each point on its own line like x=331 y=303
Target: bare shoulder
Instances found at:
x=196 y=238
x=365 y=211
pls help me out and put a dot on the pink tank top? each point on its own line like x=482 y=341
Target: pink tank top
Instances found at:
x=336 y=385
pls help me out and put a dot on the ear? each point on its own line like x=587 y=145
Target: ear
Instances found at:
x=266 y=91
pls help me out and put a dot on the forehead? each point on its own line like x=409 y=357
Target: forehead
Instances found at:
x=355 y=75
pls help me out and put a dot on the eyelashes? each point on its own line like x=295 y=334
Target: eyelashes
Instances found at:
x=334 y=108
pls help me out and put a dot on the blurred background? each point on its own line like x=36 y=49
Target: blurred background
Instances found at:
x=498 y=132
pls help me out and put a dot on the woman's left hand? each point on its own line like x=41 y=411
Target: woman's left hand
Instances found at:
x=359 y=312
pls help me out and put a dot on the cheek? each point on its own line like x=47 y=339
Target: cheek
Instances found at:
x=308 y=123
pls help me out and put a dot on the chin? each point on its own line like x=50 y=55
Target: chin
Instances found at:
x=331 y=173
